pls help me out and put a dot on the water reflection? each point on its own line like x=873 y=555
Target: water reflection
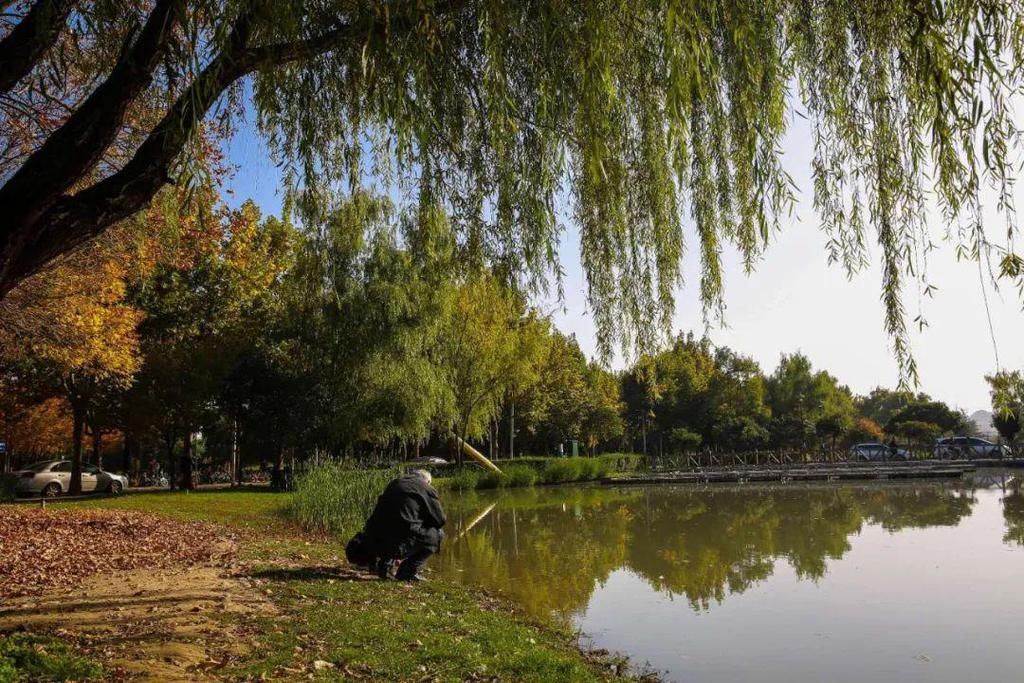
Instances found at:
x=549 y=548
x=839 y=583
x=1013 y=512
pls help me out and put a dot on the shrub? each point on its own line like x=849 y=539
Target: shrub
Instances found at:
x=336 y=498
x=622 y=462
x=589 y=468
x=492 y=480
x=521 y=475
x=560 y=470
x=461 y=480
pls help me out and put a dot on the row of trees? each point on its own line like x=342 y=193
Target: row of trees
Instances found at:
x=195 y=330
x=368 y=335
x=694 y=395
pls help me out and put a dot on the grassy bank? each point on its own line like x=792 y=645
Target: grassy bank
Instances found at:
x=365 y=629
x=26 y=658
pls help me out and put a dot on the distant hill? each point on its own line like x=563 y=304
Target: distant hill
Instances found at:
x=982 y=419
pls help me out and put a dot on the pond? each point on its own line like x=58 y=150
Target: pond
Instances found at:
x=788 y=583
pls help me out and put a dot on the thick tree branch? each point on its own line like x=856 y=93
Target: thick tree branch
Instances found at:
x=78 y=145
x=26 y=44
x=62 y=223
x=73 y=220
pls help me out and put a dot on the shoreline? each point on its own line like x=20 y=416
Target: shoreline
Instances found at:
x=317 y=617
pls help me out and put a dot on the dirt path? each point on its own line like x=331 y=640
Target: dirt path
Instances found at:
x=149 y=624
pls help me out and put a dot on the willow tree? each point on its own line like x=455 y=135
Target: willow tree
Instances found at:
x=651 y=115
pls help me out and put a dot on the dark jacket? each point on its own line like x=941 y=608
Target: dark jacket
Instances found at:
x=407 y=514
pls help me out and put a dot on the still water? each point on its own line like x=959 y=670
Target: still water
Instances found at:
x=789 y=583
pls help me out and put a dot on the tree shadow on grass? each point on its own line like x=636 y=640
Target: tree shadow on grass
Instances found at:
x=317 y=573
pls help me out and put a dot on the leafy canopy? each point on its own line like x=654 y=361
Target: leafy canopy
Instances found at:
x=642 y=114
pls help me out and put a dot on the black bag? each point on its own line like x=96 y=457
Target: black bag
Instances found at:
x=358 y=551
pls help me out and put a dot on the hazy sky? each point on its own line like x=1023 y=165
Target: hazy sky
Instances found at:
x=795 y=300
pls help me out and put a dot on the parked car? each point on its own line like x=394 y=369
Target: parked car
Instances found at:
x=969 y=447
x=429 y=460
x=873 y=451
x=53 y=477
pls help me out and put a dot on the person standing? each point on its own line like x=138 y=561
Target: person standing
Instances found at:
x=406 y=525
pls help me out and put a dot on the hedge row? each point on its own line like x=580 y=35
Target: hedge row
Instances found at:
x=529 y=471
x=617 y=462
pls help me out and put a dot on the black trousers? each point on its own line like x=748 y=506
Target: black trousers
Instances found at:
x=414 y=560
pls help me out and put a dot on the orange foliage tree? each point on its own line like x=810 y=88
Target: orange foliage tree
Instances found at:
x=74 y=334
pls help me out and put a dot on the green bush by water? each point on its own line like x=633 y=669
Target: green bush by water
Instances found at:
x=492 y=480
x=335 y=498
x=462 y=480
x=529 y=471
x=521 y=475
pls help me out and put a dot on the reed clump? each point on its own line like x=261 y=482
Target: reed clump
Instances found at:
x=336 y=498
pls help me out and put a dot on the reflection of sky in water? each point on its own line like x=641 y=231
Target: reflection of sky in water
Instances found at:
x=853 y=583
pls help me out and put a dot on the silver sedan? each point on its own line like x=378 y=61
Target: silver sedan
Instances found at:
x=53 y=477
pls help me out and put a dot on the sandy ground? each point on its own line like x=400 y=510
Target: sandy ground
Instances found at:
x=149 y=624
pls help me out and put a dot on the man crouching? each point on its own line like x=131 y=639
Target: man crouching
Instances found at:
x=405 y=526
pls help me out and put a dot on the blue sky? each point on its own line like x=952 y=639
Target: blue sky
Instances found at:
x=794 y=301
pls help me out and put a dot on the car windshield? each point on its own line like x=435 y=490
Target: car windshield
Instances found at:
x=39 y=466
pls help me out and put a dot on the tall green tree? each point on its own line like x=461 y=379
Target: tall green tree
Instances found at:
x=805 y=403
x=490 y=345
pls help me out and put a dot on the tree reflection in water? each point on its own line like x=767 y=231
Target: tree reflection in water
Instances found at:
x=1013 y=512
x=550 y=547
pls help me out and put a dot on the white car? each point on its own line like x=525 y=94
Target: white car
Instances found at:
x=969 y=447
x=51 y=478
x=873 y=451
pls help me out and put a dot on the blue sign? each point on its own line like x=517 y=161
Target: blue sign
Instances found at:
x=3 y=447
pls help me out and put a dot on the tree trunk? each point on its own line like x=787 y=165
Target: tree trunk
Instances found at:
x=78 y=424
x=126 y=456
x=186 y=463
x=643 y=433
x=512 y=430
x=172 y=466
x=236 y=469
x=97 y=447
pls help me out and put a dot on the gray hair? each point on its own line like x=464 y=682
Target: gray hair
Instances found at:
x=424 y=475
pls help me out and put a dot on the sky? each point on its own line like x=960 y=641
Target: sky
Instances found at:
x=795 y=300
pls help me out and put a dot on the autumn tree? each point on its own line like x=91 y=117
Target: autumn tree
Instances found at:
x=74 y=335
x=201 y=313
x=492 y=108
x=864 y=429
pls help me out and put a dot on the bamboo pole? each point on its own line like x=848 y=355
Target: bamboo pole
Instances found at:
x=477 y=455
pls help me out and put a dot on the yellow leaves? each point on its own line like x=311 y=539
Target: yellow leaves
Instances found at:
x=42 y=430
x=73 y=316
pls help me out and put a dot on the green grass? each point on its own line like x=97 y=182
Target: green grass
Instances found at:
x=251 y=509
x=368 y=630
x=27 y=657
x=396 y=632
